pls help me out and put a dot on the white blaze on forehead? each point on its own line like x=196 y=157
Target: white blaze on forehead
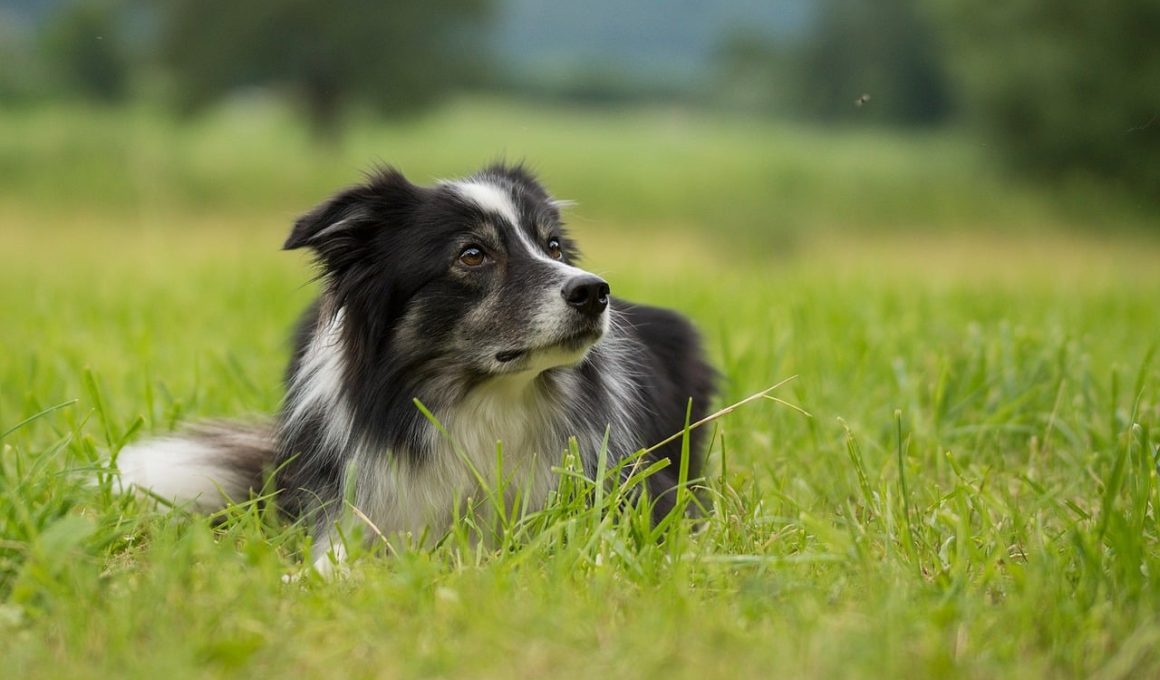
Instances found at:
x=495 y=198
x=490 y=198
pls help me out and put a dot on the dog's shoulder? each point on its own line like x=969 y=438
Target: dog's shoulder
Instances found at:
x=666 y=333
x=672 y=345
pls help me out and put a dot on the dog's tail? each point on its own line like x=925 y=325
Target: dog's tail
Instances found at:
x=203 y=468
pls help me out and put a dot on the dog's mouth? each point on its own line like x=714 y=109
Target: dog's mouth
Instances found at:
x=571 y=343
x=510 y=355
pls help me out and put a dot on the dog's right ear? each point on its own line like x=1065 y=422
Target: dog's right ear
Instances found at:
x=344 y=225
x=327 y=221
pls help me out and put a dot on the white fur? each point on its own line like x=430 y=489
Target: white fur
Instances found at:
x=329 y=556
x=318 y=383
x=184 y=471
x=403 y=499
x=336 y=227
x=494 y=198
x=565 y=270
x=541 y=360
x=490 y=197
x=620 y=384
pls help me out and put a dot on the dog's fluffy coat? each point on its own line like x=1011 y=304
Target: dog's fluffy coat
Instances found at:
x=464 y=296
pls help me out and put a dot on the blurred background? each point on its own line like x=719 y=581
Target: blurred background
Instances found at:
x=764 y=121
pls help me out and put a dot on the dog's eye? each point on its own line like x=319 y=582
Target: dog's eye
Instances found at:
x=554 y=249
x=472 y=256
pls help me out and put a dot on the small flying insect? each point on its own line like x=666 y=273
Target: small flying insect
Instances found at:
x=862 y=101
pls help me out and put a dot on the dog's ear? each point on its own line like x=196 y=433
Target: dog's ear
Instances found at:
x=326 y=221
x=345 y=223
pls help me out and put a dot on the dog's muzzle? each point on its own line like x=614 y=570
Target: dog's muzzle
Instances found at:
x=573 y=334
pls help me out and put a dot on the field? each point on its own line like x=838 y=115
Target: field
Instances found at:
x=971 y=491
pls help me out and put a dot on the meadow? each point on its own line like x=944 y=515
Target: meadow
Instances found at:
x=961 y=481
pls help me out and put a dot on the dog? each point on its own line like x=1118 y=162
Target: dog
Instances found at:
x=464 y=300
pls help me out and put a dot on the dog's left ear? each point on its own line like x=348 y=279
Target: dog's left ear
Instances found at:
x=342 y=226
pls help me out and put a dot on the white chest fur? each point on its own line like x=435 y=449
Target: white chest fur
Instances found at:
x=497 y=446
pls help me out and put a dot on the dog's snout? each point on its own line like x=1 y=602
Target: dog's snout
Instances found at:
x=587 y=293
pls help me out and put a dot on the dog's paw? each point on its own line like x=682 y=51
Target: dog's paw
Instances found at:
x=332 y=564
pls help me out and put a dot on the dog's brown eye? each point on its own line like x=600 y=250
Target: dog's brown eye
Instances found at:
x=554 y=249
x=472 y=256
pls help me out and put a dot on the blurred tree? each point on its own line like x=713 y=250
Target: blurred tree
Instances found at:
x=1065 y=86
x=85 y=51
x=393 y=55
x=881 y=48
x=21 y=71
x=756 y=72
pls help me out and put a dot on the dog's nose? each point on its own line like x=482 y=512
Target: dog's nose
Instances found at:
x=587 y=293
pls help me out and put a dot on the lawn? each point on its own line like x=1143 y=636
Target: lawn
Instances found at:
x=972 y=494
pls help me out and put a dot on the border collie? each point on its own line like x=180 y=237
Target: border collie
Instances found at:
x=465 y=297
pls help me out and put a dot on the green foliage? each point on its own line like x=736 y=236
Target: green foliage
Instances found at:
x=861 y=60
x=397 y=57
x=757 y=74
x=1061 y=90
x=880 y=48
x=760 y=185
x=22 y=77
x=84 y=44
x=1065 y=87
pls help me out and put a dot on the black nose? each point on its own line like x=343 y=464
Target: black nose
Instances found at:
x=587 y=293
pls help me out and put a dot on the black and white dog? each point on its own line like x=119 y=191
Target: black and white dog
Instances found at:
x=464 y=296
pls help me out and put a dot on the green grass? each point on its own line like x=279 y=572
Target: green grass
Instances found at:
x=974 y=495
x=643 y=168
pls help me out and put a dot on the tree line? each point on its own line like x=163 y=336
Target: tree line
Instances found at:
x=1063 y=88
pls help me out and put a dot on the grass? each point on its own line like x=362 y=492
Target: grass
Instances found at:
x=656 y=168
x=973 y=496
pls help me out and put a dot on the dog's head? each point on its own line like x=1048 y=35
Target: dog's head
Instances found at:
x=474 y=274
